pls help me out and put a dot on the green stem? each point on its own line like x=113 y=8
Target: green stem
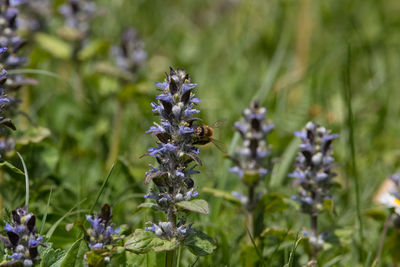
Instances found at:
x=179 y=256
x=383 y=237
x=250 y=213
x=170 y=258
x=347 y=92
x=314 y=234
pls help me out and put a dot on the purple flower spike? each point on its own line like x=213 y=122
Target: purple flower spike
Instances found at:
x=177 y=153
x=22 y=241
x=102 y=232
x=250 y=159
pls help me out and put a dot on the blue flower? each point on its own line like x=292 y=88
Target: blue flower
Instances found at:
x=190 y=194
x=163 y=148
x=22 y=239
x=175 y=131
x=102 y=232
x=156 y=129
x=130 y=55
x=190 y=111
x=185 y=130
x=250 y=157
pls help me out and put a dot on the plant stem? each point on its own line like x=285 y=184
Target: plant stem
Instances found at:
x=170 y=258
x=250 y=213
x=179 y=256
x=383 y=237
x=314 y=235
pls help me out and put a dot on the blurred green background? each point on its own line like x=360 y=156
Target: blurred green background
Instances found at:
x=303 y=60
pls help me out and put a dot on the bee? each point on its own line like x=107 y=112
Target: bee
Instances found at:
x=204 y=134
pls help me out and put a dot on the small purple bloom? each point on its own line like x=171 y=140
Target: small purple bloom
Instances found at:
x=190 y=111
x=185 y=130
x=162 y=85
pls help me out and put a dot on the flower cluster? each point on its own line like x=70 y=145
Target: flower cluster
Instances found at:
x=10 y=58
x=35 y=14
x=78 y=14
x=175 y=153
x=22 y=241
x=251 y=157
x=130 y=55
x=102 y=233
x=9 y=39
x=313 y=168
x=314 y=176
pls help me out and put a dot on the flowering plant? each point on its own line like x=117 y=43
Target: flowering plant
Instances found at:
x=313 y=175
x=177 y=157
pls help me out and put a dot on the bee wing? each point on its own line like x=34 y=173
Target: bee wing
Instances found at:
x=219 y=123
x=221 y=146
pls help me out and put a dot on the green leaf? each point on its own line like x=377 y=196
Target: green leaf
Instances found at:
x=143 y=241
x=200 y=244
x=279 y=233
x=251 y=177
x=96 y=258
x=377 y=213
x=248 y=256
x=34 y=135
x=50 y=157
x=50 y=257
x=221 y=194
x=146 y=205
x=56 y=47
x=345 y=235
x=114 y=71
x=274 y=202
x=195 y=205
x=91 y=50
x=118 y=258
x=328 y=205
x=75 y=255
x=69 y=34
x=11 y=167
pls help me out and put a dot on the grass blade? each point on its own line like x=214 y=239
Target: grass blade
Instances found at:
x=347 y=94
x=46 y=211
x=101 y=189
x=293 y=251
x=255 y=247
x=54 y=226
x=26 y=180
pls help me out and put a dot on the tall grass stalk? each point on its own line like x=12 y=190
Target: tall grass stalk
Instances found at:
x=347 y=94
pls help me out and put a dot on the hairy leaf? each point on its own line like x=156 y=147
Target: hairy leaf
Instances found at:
x=75 y=255
x=143 y=241
x=200 y=244
x=195 y=205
